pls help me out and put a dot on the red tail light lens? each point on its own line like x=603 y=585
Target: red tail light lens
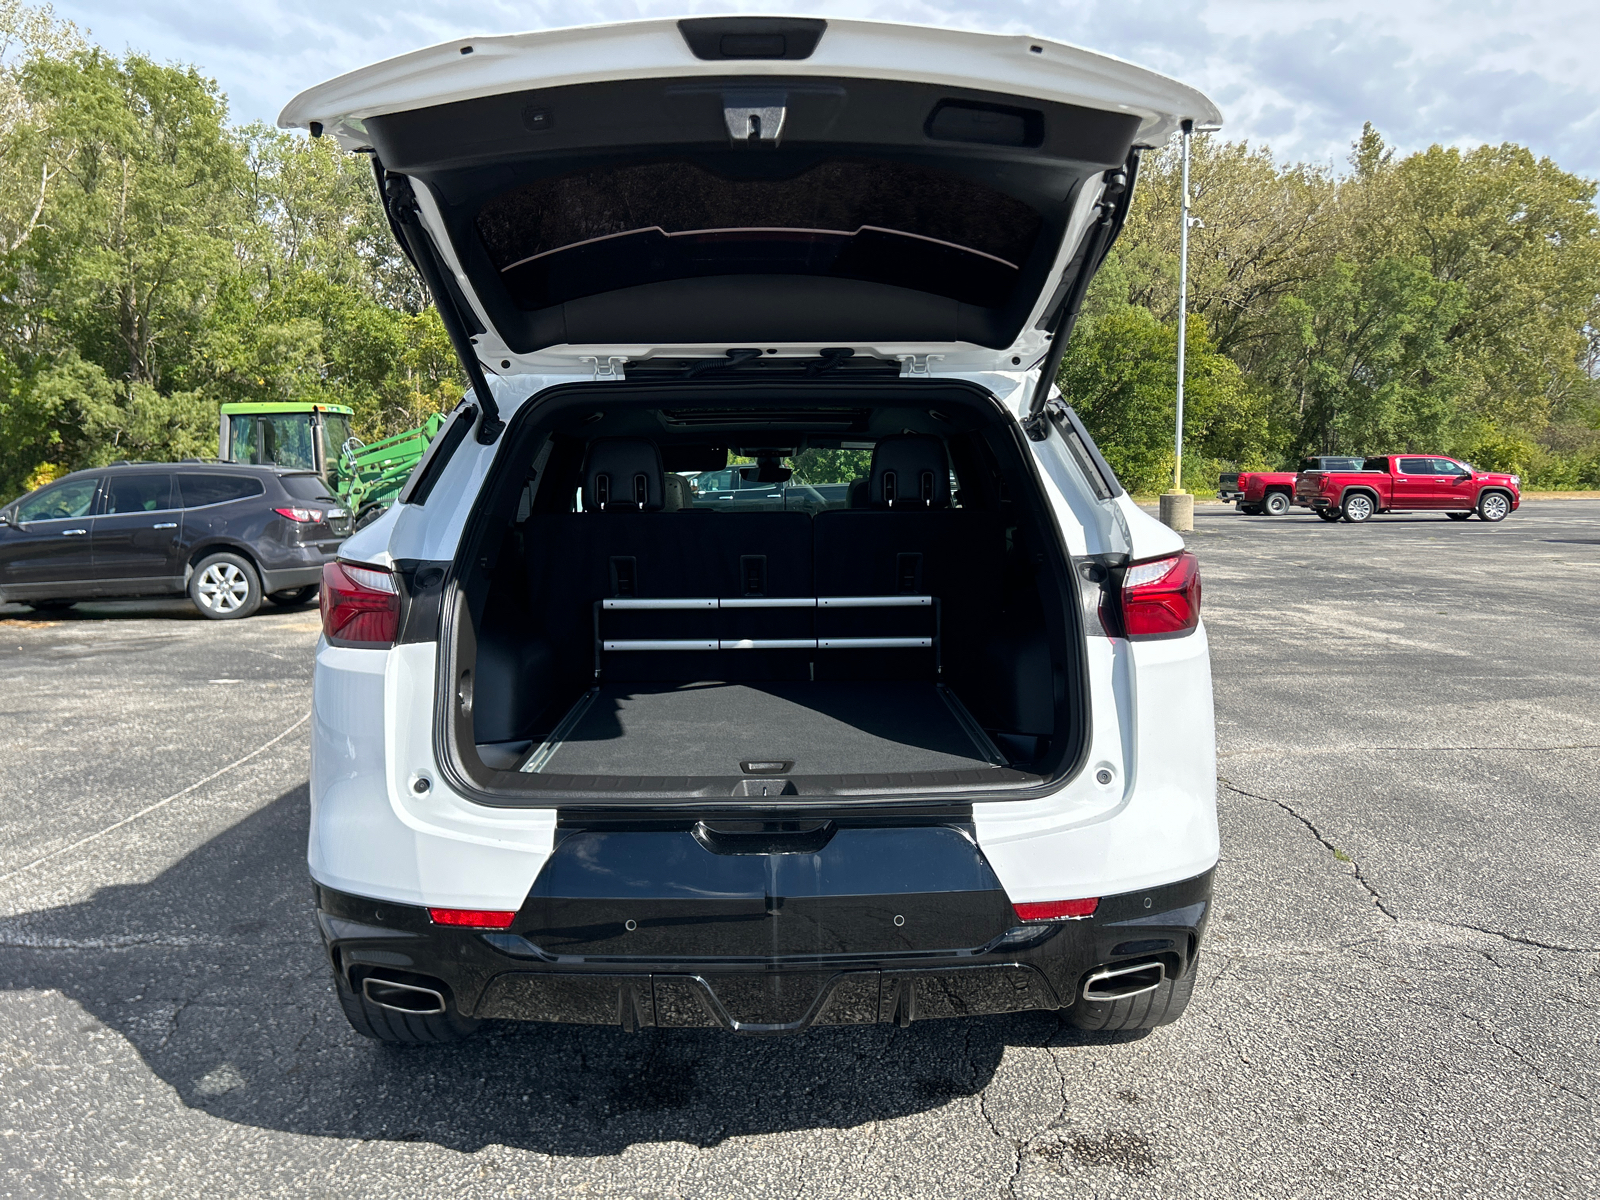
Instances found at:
x=472 y=918
x=1161 y=597
x=1057 y=910
x=360 y=606
x=304 y=516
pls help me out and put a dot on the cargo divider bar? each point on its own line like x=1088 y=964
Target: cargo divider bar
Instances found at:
x=635 y=603
x=843 y=643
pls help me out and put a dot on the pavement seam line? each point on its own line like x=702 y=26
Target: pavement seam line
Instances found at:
x=1318 y=834
x=150 y=808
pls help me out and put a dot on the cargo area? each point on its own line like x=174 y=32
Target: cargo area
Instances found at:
x=674 y=609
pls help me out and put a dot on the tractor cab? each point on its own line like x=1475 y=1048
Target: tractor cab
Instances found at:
x=302 y=437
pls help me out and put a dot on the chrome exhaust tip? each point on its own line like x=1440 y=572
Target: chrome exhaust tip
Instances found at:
x=402 y=997
x=1120 y=982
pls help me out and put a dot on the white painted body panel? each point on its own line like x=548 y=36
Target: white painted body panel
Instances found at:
x=1151 y=713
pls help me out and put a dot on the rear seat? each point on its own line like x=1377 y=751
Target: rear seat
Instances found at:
x=629 y=544
x=909 y=541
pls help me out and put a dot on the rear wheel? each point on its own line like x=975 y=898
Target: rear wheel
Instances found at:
x=1250 y=510
x=292 y=597
x=1147 y=1010
x=401 y=1028
x=1358 y=508
x=1458 y=516
x=1328 y=514
x=1277 y=504
x=225 y=587
x=1493 y=506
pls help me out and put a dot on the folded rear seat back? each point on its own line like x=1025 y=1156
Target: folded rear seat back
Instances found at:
x=909 y=541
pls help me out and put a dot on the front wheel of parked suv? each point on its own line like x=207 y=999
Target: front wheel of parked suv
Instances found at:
x=391 y=1025
x=1147 y=1010
x=225 y=587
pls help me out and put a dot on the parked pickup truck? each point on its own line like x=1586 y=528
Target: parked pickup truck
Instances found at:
x=1408 y=483
x=1272 y=492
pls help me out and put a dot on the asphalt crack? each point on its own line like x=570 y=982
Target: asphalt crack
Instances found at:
x=1338 y=854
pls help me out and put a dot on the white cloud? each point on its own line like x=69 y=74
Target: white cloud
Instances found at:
x=1302 y=74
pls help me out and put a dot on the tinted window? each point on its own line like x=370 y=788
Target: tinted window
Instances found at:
x=1445 y=466
x=307 y=487
x=137 y=493
x=216 y=489
x=64 y=500
x=1416 y=466
x=1376 y=464
x=880 y=222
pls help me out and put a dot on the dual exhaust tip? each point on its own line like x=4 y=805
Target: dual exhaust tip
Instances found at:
x=1124 y=980
x=1106 y=984
x=409 y=998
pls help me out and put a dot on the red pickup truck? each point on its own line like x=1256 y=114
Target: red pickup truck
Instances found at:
x=1408 y=483
x=1272 y=492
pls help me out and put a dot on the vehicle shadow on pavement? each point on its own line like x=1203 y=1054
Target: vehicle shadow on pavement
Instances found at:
x=214 y=974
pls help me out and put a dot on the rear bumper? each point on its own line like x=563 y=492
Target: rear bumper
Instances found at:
x=297 y=566
x=883 y=960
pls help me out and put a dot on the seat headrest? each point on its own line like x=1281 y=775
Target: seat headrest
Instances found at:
x=910 y=470
x=677 y=493
x=622 y=475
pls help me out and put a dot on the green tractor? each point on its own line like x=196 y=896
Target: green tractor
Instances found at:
x=317 y=437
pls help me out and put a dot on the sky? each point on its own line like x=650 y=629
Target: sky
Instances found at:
x=1298 y=75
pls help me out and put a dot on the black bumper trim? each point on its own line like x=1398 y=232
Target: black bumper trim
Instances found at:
x=508 y=976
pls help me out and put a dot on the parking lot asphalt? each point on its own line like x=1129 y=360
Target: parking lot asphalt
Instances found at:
x=1399 y=995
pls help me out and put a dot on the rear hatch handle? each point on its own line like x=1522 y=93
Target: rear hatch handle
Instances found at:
x=1113 y=206
x=400 y=202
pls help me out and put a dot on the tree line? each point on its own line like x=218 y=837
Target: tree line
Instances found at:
x=156 y=261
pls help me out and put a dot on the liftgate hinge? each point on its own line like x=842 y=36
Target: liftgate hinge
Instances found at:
x=605 y=368
x=917 y=364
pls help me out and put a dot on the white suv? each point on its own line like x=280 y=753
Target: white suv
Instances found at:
x=934 y=740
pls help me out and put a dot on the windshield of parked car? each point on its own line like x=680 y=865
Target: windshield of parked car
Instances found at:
x=307 y=487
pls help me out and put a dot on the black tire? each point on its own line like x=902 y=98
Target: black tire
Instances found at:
x=368 y=514
x=1145 y=1011
x=1250 y=510
x=1493 y=506
x=399 y=1028
x=293 y=597
x=49 y=605
x=225 y=587
x=1458 y=516
x=1358 y=507
x=1329 y=514
x=1277 y=504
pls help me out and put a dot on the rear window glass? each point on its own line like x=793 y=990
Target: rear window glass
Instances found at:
x=880 y=222
x=138 y=493
x=217 y=489
x=306 y=487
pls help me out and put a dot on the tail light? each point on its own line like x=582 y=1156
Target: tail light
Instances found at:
x=472 y=918
x=1158 y=598
x=1057 y=910
x=304 y=516
x=360 y=606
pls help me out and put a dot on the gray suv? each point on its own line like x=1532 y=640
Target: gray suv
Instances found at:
x=226 y=536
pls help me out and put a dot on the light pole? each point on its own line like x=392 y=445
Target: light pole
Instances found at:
x=1177 y=506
